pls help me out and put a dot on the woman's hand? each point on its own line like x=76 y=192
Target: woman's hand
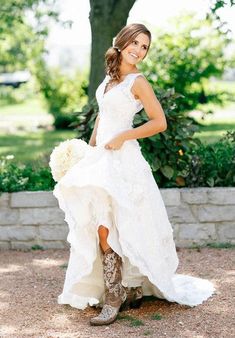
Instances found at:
x=115 y=143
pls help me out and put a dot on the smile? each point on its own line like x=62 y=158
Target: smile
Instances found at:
x=135 y=56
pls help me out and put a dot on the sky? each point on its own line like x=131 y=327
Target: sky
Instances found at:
x=72 y=46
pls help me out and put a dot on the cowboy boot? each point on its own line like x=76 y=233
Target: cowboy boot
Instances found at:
x=134 y=298
x=115 y=293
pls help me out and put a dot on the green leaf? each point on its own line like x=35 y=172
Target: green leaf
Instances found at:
x=156 y=164
x=180 y=181
x=167 y=171
x=211 y=182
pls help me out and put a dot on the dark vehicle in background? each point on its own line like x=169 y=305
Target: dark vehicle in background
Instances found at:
x=15 y=79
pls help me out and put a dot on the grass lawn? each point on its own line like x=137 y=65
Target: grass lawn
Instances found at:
x=32 y=147
x=20 y=136
x=32 y=107
x=28 y=114
x=215 y=125
x=211 y=133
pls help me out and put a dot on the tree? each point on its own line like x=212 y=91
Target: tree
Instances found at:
x=13 y=12
x=106 y=19
x=185 y=57
x=220 y=4
x=14 y=48
x=22 y=43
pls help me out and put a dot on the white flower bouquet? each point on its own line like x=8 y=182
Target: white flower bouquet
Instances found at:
x=66 y=155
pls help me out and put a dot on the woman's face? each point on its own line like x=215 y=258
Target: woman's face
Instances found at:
x=136 y=50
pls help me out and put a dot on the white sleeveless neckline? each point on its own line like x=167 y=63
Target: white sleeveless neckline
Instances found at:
x=108 y=77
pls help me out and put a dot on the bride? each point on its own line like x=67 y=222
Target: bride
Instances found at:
x=121 y=239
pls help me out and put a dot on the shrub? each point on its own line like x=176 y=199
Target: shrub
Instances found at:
x=199 y=165
x=213 y=165
x=85 y=120
x=63 y=94
x=63 y=121
x=19 y=177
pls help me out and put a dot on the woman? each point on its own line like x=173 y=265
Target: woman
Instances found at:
x=121 y=239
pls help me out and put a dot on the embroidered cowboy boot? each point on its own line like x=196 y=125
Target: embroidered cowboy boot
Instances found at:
x=115 y=293
x=134 y=298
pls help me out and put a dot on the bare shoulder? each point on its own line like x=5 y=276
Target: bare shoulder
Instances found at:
x=141 y=80
x=141 y=85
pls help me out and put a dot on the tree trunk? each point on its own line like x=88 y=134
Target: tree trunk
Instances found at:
x=107 y=17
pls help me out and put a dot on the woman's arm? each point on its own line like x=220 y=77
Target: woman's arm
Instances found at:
x=157 y=121
x=142 y=90
x=92 y=141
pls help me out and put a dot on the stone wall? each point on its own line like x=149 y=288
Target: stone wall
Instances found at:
x=198 y=216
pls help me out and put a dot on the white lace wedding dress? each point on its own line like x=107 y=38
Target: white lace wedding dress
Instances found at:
x=116 y=188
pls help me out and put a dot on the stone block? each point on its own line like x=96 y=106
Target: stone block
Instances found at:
x=44 y=216
x=170 y=197
x=18 y=233
x=197 y=232
x=224 y=196
x=21 y=245
x=54 y=245
x=194 y=196
x=33 y=199
x=4 y=199
x=226 y=232
x=53 y=232
x=5 y=245
x=215 y=213
x=183 y=243
x=9 y=216
x=180 y=214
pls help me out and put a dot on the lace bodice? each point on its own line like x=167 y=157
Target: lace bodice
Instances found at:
x=117 y=107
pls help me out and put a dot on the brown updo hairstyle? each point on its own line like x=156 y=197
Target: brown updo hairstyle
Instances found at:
x=113 y=56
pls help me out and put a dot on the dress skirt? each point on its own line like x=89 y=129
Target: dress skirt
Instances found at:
x=116 y=189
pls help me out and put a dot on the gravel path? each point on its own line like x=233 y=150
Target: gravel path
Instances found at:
x=31 y=281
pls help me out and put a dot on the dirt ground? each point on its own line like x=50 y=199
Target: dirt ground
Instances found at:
x=31 y=281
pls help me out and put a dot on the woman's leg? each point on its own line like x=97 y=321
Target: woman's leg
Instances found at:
x=115 y=293
x=103 y=235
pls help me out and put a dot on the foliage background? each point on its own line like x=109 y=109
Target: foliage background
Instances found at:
x=182 y=64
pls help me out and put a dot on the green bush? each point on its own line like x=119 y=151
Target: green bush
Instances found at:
x=20 y=177
x=212 y=165
x=175 y=162
x=85 y=120
x=63 y=94
x=63 y=121
x=168 y=152
x=199 y=166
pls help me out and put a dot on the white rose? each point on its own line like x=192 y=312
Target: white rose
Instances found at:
x=66 y=155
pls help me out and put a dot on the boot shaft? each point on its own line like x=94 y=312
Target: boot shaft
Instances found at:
x=112 y=268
